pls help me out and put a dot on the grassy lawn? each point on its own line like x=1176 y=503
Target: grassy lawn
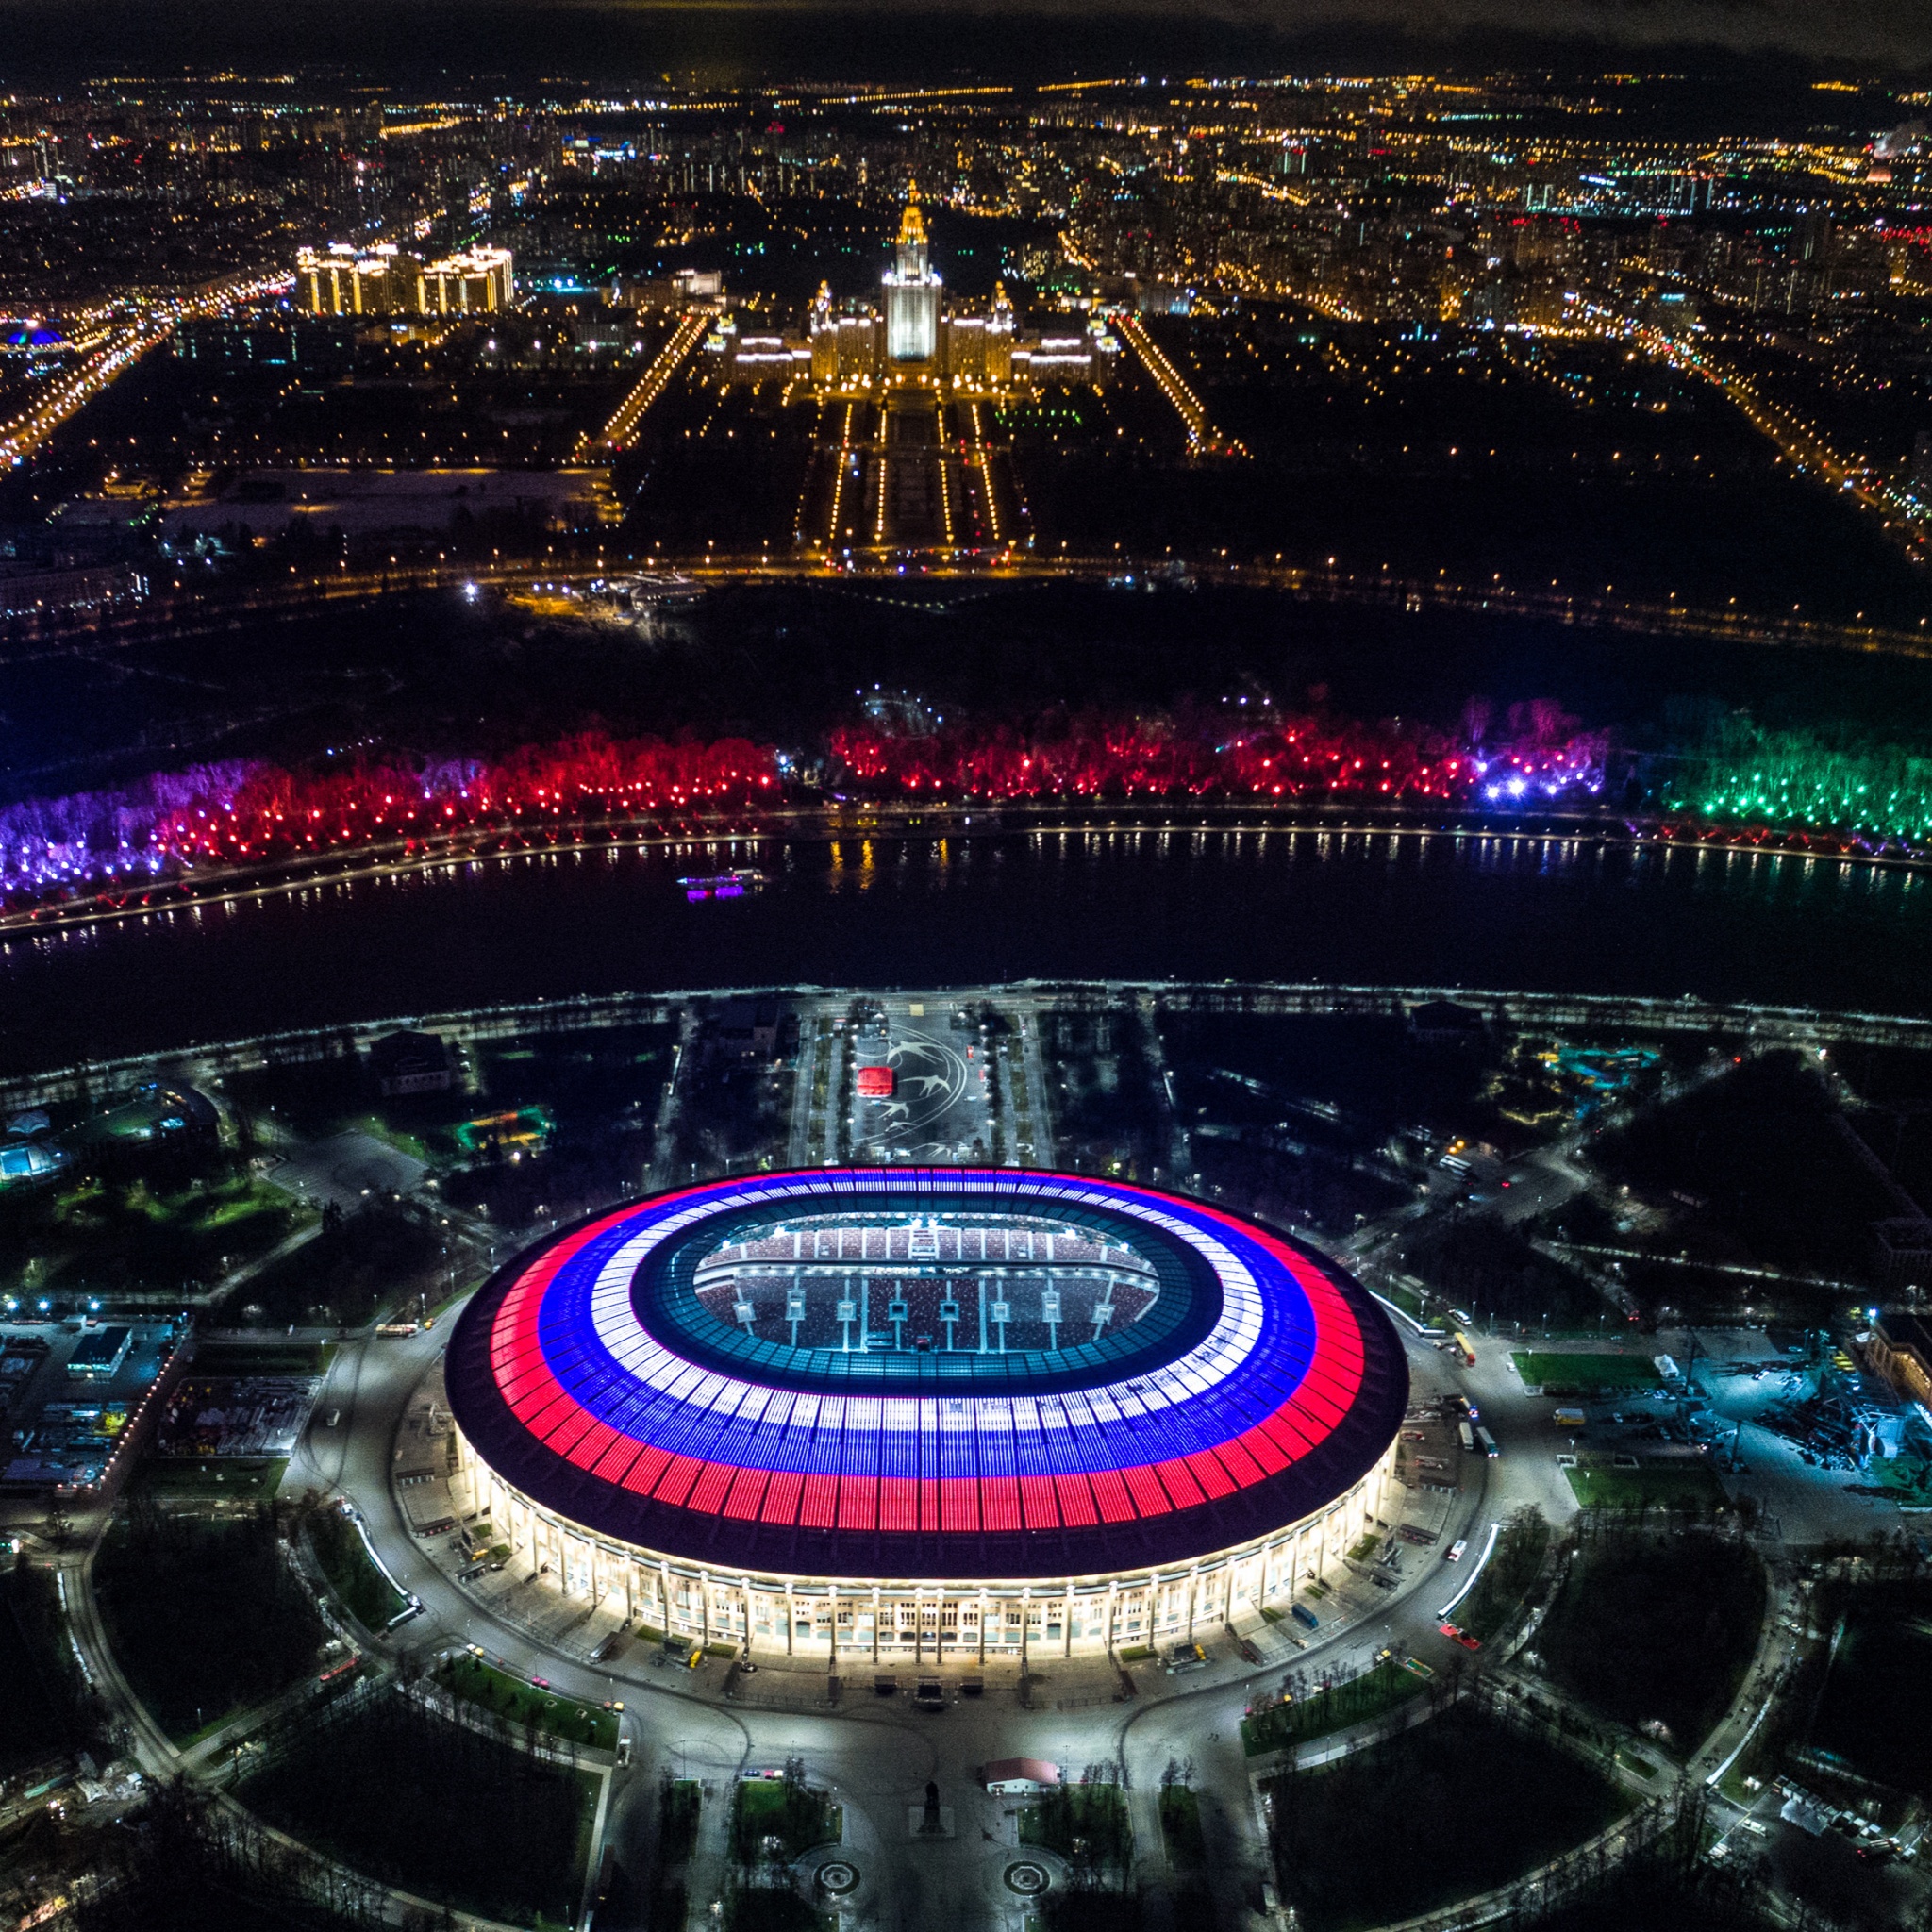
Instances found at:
x=206 y=1617
x=1676 y=1483
x=358 y=1263
x=1276 y=1726
x=1181 y=1828
x=766 y=1909
x=435 y=1809
x=1333 y=1829
x=371 y=1598
x=1569 y=1374
x=171 y=1228
x=213 y=1478
x=1095 y=1815
x=677 y=1819
x=784 y=1809
x=476 y=1682
x=1656 y=1628
x=271 y=1355
x=1408 y=1300
x=1491 y=1606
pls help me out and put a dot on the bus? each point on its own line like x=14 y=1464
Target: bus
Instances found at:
x=1484 y=1441
x=1467 y=1431
x=1464 y=1348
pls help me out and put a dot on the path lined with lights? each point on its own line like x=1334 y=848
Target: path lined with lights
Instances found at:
x=944 y=462
x=1798 y=442
x=983 y=461
x=1202 y=437
x=189 y=614
x=70 y=392
x=622 y=426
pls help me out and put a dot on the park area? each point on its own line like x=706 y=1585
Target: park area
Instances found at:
x=177 y=1231
x=1684 y=1485
x=379 y=1256
x=206 y=1614
x=343 y=1557
x=1180 y=1828
x=1655 y=1631
x=1491 y=1607
x=1388 y=1832
x=48 y=1708
x=1087 y=1825
x=434 y=1808
x=775 y=1819
x=1584 y=1373
x=1296 y=1720
x=522 y=1704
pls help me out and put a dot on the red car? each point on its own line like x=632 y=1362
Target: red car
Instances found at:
x=1460 y=1635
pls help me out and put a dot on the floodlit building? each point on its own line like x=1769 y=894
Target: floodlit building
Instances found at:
x=947 y=1413
x=915 y=339
x=1900 y=1349
x=477 y=281
x=912 y=293
x=342 y=279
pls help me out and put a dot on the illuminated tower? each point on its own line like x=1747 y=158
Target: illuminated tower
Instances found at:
x=912 y=295
x=999 y=339
x=823 y=334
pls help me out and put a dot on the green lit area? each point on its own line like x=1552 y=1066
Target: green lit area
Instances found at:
x=1794 y=778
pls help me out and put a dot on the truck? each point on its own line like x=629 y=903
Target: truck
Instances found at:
x=1465 y=1429
x=1484 y=1441
x=1305 y=1617
x=1571 y=1419
x=1463 y=1349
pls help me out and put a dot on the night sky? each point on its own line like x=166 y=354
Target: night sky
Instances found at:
x=409 y=41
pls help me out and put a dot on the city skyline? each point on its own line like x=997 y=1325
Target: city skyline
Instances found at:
x=965 y=970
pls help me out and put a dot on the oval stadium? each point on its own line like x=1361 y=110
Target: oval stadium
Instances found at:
x=937 y=1411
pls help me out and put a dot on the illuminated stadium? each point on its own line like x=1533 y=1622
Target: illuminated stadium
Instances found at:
x=956 y=1412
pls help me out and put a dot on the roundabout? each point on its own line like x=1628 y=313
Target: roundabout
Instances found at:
x=944 y=1410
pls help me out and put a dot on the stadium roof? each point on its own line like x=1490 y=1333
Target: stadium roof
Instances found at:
x=1260 y=1385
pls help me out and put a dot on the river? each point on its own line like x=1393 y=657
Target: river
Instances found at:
x=1545 y=914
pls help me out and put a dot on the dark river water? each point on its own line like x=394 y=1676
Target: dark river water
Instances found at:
x=1366 y=907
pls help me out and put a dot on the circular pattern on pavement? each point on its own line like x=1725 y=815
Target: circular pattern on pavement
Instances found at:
x=1027 y=1878
x=838 y=1876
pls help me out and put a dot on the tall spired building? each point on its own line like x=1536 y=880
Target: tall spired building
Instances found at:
x=912 y=295
x=920 y=343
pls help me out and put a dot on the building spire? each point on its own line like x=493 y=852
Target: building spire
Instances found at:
x=913 y=223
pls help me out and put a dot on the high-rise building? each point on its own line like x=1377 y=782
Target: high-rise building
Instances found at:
x=912 y=293
x=919 y=340
x=342 y=279
x=476 y=281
